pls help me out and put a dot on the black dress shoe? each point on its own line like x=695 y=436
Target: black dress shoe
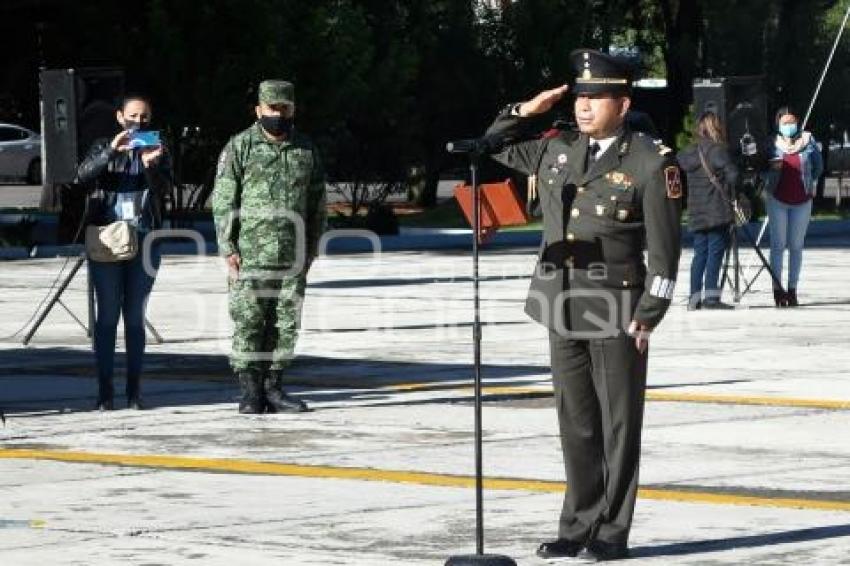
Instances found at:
x=601 y=551
x=104 y=405
x=135 y=404
x=561 y=548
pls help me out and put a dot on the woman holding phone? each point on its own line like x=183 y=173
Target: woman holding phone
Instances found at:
x=795 y=166
x=127 y=179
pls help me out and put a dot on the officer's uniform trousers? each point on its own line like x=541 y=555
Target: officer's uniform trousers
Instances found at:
x=599 y=397
x=599 y=389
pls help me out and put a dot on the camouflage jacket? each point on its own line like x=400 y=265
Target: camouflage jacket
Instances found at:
x=269 y=197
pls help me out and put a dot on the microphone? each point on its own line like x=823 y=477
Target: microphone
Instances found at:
x=482 y=146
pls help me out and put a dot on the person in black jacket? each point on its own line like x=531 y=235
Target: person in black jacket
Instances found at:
x=126 y=184
x=711 y=177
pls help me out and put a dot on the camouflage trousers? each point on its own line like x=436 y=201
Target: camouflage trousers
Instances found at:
x=266 y=317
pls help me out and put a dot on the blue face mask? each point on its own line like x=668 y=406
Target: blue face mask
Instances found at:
x=788 y=130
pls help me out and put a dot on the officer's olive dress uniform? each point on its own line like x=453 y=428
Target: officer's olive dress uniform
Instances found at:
x=590 y=282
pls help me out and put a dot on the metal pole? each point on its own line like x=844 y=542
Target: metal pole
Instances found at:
x=825 y=69
x=476 y=336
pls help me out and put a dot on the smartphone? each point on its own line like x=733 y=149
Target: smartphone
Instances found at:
x=145 y=138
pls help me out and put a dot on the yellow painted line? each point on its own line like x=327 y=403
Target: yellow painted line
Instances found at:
x=673 y=397
x=835 y=404
x=394 y=476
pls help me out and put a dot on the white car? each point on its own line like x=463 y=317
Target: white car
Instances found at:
x=20 y=154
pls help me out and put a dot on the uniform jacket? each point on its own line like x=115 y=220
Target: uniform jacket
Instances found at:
x=590 y=280
x=101 y=172
x=707 y=207
x=811 y=161
x=260 y=187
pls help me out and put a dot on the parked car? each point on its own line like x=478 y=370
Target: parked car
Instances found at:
x=20 y=154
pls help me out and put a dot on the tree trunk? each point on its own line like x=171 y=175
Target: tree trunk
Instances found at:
x=682 y=31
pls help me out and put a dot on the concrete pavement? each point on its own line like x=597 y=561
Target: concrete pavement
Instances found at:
x=746 y=458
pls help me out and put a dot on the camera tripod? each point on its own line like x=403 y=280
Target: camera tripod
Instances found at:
x=732 y=259
x=56 y=298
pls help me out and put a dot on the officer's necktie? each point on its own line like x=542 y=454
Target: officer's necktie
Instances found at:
x=592 y=153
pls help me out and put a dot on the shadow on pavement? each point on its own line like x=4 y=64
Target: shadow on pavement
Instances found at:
x=749 y=541
x=63 y=379
x=53 y=380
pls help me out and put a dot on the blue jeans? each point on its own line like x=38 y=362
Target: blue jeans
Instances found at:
x=709 y=246
x=788 y=224
x=122 y=287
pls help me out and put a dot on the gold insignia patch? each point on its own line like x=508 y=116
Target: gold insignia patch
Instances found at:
x=619 y=178
x=663 y=149
x=673 y=180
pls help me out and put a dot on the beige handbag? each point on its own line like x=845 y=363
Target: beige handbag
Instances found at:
x=114 y=242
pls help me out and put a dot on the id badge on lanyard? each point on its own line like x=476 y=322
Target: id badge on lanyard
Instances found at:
x=127 y=209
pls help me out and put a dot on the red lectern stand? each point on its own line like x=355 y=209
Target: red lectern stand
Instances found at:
x=500 y=206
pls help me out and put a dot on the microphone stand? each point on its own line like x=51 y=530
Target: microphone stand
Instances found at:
x=479 y=558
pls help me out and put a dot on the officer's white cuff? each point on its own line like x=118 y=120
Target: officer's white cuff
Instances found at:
x=662 y=288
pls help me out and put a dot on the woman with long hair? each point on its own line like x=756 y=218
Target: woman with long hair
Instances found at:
x=711 y=176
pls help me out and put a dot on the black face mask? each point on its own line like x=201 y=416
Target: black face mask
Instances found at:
x=276 y=125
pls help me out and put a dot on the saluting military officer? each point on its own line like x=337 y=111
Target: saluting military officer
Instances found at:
x=606 y=194
x=269 y=209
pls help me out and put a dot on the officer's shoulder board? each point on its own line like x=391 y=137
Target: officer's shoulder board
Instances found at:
x=672 y=173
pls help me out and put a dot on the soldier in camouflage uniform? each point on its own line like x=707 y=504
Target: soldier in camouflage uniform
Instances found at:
x=269 y=209
x=607 y=194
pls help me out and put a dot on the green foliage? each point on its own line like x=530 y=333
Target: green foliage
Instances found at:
x=383 y=84
x=686 y=136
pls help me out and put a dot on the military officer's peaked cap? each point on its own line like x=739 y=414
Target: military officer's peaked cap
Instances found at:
x=276 y=92
x=597 y=73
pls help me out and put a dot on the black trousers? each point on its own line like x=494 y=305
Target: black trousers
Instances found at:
x=599 y=395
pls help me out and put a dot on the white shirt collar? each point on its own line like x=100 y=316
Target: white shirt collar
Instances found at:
x=604 y=144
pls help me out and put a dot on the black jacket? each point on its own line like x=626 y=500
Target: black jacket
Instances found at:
x=707 y=207
x=100 y=173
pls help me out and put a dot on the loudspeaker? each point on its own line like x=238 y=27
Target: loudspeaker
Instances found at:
x=741 y=105
x=78 y=107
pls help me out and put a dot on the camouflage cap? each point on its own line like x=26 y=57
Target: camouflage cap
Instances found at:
x=276 y=92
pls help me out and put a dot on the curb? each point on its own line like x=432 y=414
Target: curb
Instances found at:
x=822 y=233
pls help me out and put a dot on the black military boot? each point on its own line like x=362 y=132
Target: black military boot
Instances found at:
x=252 y=393
x=277 y=401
